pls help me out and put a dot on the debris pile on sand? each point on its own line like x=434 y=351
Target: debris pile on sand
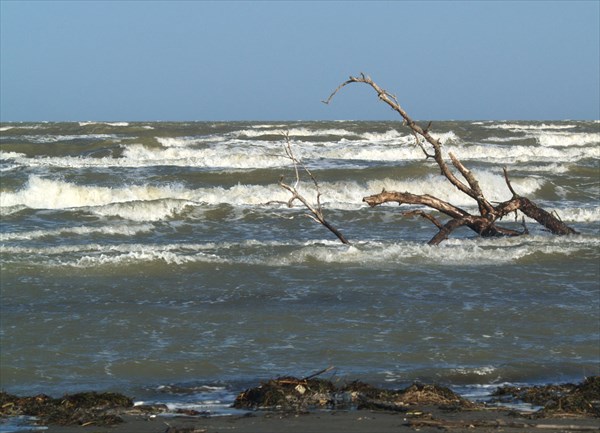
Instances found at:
x=300 y=395
x=293 y=394
x=583 y=398
x=84 y=408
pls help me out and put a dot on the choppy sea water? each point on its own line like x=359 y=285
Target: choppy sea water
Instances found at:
x=161 y=260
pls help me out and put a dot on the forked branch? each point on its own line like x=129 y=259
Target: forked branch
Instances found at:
x=485 y=223
x=436 y=144
x=315 y=211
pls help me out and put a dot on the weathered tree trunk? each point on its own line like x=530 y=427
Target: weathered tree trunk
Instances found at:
x=485 y=223
x=535 y=212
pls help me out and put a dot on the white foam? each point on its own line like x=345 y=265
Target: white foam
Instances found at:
x=111 y=230
x=135 y=202
x=104 y=123
x=151 y=203
x=70 y=137
x=9 y=210
x=70 y=162
x=551 y=135
x=391 y=135
x=40 y=193
x=293 y=132
x=527 y=127
x=453 y=252
x=494 y=139
x=241 y=195
x=132 y=257
x=478 y=371
x=93 y=255
x=52 y=251
x=11 y=155
x=552 y=168
x=215 y=158
x=508 y=154
x=570 y=214
x=561 y=139
x=21 y=126
x=187 y=141
x=218 y=152
x=266 y=126
x=154 y=210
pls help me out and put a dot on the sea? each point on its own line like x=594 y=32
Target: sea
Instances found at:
x=163 y=259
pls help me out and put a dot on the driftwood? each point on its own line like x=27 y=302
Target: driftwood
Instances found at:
x=316 y=210
x=484 y=223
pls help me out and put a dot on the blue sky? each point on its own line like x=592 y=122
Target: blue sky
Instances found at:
x=250 y=60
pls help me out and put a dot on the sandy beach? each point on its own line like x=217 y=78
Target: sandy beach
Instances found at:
x=431 y=420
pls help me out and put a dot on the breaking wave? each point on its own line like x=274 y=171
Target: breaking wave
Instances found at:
x=42 y=193
x=476 y=252
x=127 y=230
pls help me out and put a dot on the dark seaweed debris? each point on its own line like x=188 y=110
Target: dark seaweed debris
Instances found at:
x=83 y=408
x=299 y=395
x=293 y=394
x=288 y=393
x=583 y=398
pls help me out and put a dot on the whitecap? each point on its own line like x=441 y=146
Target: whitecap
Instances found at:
x=69 y=137
x=104 y=123
x=517 y=153
x=41 y=193
x=11 y=155
x=452 y=252
x=161 y=201
x=577 y=214
x=529 y=127
x=562 y=139
x=154 y=210
x=94 y=255
x=111 y=230
x=293 y=132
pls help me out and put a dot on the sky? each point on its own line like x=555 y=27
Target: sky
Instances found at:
x=277 y=60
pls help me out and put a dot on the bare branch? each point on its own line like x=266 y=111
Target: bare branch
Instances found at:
x=316 y=213
x=391 y=100
x=512 y=191
x=448 y=228
x=328 y=100
x=484 y=206
x=425 y=215
x=424 y=200
x=535 y=212
x=483 y=224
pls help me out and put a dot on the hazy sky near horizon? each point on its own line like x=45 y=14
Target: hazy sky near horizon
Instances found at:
x=251 y=60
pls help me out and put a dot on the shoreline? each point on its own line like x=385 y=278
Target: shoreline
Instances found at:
x=314 y=405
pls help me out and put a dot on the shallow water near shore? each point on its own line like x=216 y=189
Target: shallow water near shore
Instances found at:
x=160 y=259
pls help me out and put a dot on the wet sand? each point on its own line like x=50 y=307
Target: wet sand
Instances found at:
x=424 y=420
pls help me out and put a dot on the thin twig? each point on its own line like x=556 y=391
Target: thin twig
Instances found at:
x=318 y=373
x=507 y=180
x=316 y=213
